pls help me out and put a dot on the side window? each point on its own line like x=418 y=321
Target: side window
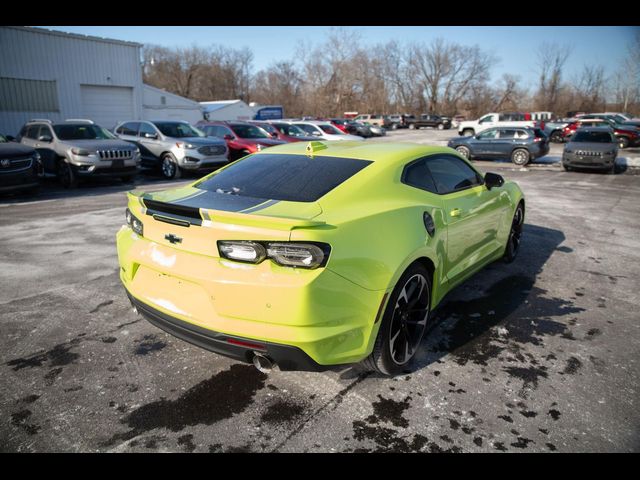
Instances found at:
x=488 y=135
x=486 y=119
x=146 y=128
x=32 y=132
x=508 y=133
x=129 y=128
x=417 y=174
x=451 y=174
x=45 y=130
x=522 y=134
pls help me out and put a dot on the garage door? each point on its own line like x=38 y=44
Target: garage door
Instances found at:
x=107 y=105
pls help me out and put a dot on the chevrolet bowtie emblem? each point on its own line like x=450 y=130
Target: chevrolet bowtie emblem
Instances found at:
x=172 y=238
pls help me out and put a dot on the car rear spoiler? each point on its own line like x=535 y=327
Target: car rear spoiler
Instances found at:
x=252 y=220
x=211 y=216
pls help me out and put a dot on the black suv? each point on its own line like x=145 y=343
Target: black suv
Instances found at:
x=431 y=120
x=19 y=167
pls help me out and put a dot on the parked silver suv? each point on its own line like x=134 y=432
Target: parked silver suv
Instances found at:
x=174 y=146
x=78 y=148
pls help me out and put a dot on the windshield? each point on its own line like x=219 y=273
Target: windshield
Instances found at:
x=295 y=178
x=249 y=131
x=291 y=130
x=330 y=129
x=178 y=130
x=592 y=137
x=82 y=132
x=268 y=128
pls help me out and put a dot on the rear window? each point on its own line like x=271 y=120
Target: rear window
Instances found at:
x=295 y=178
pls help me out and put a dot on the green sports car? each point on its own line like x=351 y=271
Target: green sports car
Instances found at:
x=310 y=255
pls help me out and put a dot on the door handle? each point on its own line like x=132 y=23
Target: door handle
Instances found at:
x=456 y=212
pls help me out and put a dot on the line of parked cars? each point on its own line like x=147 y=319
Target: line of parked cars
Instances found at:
x=592 y=140
x=77 y=149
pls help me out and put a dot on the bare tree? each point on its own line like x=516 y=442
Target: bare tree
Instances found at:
x=447 y=71
x=551 y=60
x=590 y=89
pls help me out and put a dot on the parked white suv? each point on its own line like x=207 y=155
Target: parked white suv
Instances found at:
x=324 y=131
x=473 y=127
x=174 y=146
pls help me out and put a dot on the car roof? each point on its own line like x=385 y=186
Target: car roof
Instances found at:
x=374 y=152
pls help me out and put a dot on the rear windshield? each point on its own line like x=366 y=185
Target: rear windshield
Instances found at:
x=82 y=132
x=593 y=137
x=295 y=178
x=330 y=129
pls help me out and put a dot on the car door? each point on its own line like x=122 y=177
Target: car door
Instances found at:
x=505 y=142
x=43 y=145
x=484 y=145
x=472 y=214
x=150 y=142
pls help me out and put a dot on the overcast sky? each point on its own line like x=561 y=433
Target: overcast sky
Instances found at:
x=515 y=46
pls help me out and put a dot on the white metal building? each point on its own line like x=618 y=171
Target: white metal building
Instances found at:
x=56 y=75
x=228 y=110
x=161 y=105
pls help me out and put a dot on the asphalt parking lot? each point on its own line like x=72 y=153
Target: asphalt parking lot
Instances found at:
x=538 y=355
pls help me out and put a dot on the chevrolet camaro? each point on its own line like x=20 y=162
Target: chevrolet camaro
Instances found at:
x=311 y=255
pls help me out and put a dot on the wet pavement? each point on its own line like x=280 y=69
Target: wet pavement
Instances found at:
x=538 y=355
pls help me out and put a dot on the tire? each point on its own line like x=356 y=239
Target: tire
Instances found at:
x=468 y=132
x=567 y=168
x=464 y=151
x=169 y=167
x=520 y=157
x=392 y=353
x=623 y=142
x=412 y=126
x=440 y=126
x=515 y=235
x=66 y=176
x=556 y=137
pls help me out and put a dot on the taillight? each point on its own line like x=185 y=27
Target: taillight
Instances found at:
x=537 y=139
x=286 y=254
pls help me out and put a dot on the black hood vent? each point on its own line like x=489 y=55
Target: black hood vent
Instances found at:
x=178 y=212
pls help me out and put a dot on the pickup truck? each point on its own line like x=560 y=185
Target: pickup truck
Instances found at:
x=429 y=120
x=473 y=127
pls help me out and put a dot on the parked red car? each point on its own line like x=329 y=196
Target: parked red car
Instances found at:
x=242 y=138
x=340 y=124
x=627 y=137
x=287 y=135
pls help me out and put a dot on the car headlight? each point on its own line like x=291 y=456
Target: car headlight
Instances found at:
x=286 y=254
x=258 y=147
x=81 y=151
x=568 y=150
x=133 y=222
x=188 y=146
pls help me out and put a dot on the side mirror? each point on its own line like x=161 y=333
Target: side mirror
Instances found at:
x=45 y=138
x=493 y=180
x=153 y=136
x=228 y=136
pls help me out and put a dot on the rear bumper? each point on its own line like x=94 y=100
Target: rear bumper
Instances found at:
x=286 y=357
x=317 y=312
